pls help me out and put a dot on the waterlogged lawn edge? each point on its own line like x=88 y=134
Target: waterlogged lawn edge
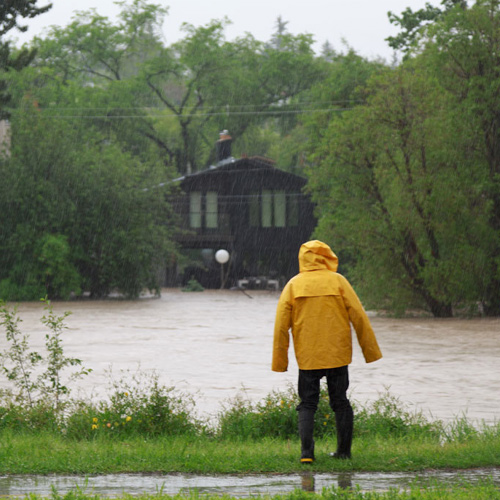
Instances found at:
x=48 y=454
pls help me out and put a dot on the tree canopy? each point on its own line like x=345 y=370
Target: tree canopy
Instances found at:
x=403 y=160
x=412 y=191
x=10 y=12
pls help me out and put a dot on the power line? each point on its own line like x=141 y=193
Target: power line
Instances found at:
x=225 y=106
x=190 y=115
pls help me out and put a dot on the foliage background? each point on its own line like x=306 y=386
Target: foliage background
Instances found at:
x=402 y=158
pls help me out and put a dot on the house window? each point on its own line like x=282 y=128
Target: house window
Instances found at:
x=211 y=212
x=267 y=208
x=254 y=209
x=293 y=210
x=279 y=209
x=273 y=209
x=203 y=211
x=195 y=209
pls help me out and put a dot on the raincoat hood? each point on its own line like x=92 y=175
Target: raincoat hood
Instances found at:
x=315 y=255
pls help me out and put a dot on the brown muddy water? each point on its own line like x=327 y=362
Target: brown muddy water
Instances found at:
x=216 y=345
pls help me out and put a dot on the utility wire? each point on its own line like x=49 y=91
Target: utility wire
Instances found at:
x=225 y=106
x=187 y=115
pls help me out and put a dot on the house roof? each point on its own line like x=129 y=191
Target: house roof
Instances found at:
x=245 y=164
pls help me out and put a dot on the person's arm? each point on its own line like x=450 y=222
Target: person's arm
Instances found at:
x=282 y=325
x=361 y=323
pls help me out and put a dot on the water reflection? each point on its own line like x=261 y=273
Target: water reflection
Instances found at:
x=308 y=481
x=343 y=480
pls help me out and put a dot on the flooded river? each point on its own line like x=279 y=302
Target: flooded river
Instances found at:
x=216 y=345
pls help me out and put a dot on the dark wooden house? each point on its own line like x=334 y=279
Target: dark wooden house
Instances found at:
x=247 y=206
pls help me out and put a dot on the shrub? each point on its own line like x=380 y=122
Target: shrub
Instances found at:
x=138 y=405
x=387 y=416
x=193 y=286
x=18 y=363
x=38 y=417
x=275 y=416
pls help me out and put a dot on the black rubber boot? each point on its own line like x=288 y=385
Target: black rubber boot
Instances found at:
x=306 y=432
x=344 y=420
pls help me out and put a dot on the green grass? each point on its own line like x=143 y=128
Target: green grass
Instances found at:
x=44 y=453
x=247 y=439
x=146 y=427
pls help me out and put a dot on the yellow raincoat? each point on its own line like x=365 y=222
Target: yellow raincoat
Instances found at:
x=318 y=305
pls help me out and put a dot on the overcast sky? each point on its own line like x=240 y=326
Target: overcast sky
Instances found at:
x=362 y=23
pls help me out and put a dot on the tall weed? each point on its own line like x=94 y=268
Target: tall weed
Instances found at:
x=138 y=405
x=37 y=381
x=387 y=416
x=275 y=416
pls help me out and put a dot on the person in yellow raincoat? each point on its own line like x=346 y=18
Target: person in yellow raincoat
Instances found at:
x=319 y=305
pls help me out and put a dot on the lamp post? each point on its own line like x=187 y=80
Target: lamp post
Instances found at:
x=222 y=256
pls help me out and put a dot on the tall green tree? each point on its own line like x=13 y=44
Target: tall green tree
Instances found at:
x=78 y=214
x=408 y=182
x=463 y=53
x=413 y=23
x=10 y=12
x=182 y=95
x=227 y=85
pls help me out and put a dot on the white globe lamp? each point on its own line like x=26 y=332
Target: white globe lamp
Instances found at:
x=222 y=256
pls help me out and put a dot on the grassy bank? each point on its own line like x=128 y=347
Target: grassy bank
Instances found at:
x=44 y=452
x=146 y=427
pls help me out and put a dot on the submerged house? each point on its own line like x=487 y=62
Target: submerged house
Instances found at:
x=247 y=206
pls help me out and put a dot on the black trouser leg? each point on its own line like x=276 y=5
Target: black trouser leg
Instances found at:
x=344 y=420
x=338 y=383
x=306 y=433
x=309 y=396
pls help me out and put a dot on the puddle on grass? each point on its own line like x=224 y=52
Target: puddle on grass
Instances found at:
x=113 y=485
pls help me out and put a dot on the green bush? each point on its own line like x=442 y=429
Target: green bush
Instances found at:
x=37 y=380
x=56 y=269
x=193 y=286
x=387 y=416
x=275 y=416
x=138 y=405
x=48 y=271
x=40 y=417
x=13 y=291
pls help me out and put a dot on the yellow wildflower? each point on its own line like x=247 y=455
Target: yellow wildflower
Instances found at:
x=94 y=427
x=95 y=420
x=128 y=419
